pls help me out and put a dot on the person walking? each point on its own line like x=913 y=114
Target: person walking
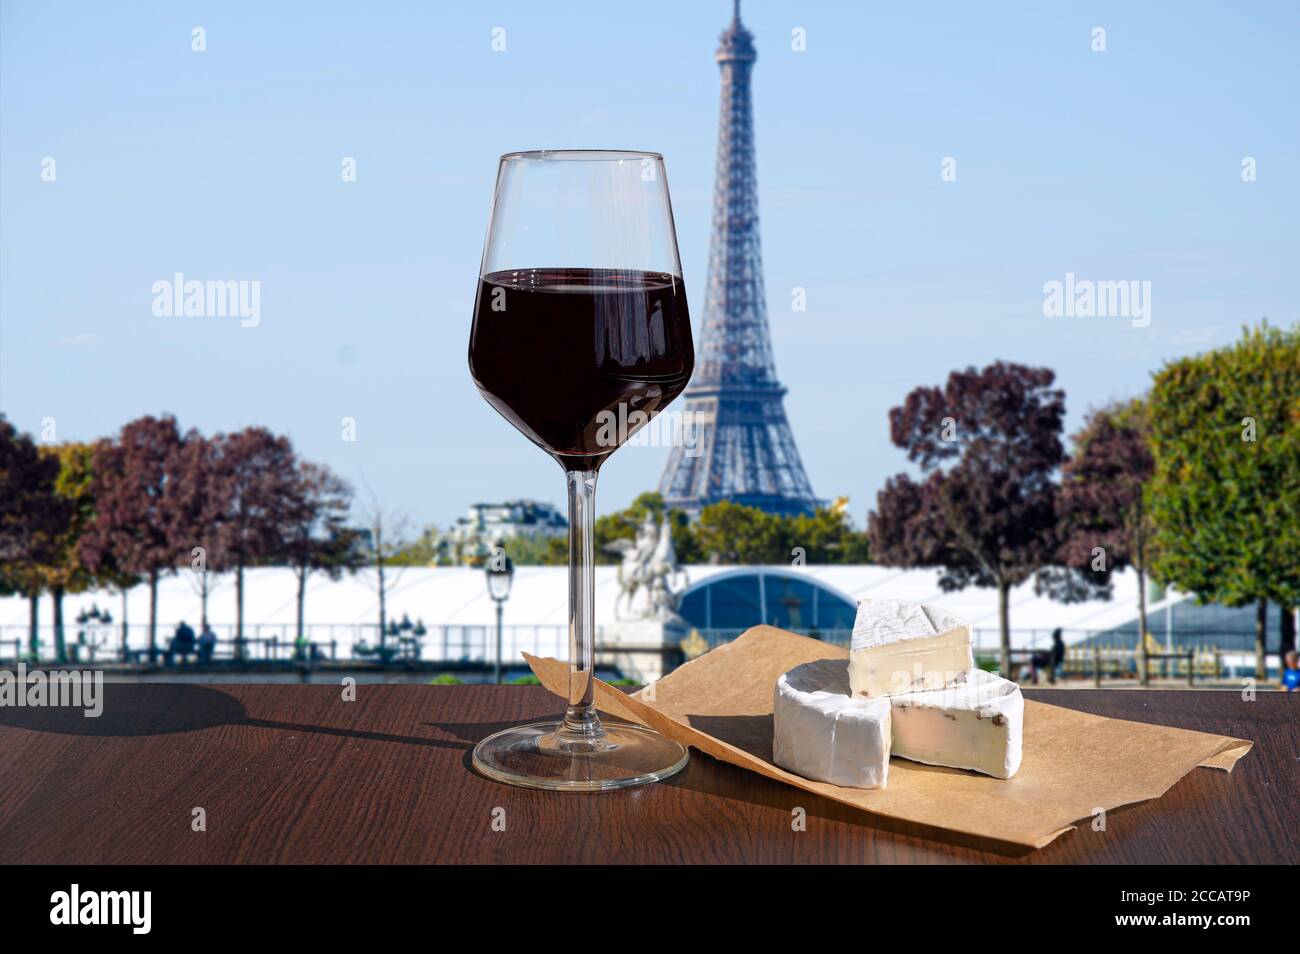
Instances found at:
x=1058 y=656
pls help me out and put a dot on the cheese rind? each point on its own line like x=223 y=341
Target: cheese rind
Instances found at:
x=823 y=733
x=900 y=646
x=978 y=725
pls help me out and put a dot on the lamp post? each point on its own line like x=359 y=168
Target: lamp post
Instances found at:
x=500 y=573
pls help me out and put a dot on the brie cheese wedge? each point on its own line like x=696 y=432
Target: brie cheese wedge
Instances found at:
x=978 y=725
x=823 y=733
x=899 y=646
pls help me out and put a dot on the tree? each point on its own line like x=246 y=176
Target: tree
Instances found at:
x=256 y=481
x=110 y=575
x=729 y=532
x=524 y=550
x=623 y=525
x=1106 y=524
x=430 y=548
x=130 y=530
x=383 y=538
x=1225 y=435
x=825 y=536
x=64 y=570
x=107 y=571
x=988 y=445
x=33 y=520
x=317 y=537
x=199 y=503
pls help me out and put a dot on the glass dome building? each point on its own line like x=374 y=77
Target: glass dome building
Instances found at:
x=732 y=601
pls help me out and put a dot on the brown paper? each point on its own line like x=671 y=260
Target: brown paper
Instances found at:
x=1074 y=763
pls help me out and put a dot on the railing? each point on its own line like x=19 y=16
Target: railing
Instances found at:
x=1097 y=662
x=472 y=645
x=257 y=649
x=1092 y=655
x=716 y=637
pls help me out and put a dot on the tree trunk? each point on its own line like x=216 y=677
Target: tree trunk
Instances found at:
x=126 y=631
x=153 y=616
x=1143 y=656
x=302 y=602
x=1286 y=632
x=60 y=643
x=239 y=611
x=1140 y=564
x=1004 y=628
x=1261 y=640
x=203 y=602
x=34 y=633
x=383 y=618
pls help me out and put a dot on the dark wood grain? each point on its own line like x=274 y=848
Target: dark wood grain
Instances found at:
x=294 y=774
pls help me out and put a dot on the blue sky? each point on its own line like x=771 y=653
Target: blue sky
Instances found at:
x=225 y=164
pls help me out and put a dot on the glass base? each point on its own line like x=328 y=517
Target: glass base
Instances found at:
x=550 y=755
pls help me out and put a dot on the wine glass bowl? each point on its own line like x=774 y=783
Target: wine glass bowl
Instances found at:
x=587 y=348
x=581 y=335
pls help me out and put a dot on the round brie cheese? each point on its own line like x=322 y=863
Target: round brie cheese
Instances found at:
x=823 y=733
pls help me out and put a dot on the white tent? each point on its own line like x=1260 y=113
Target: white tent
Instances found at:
x=455 y=599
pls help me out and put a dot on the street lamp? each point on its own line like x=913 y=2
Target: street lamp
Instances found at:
x=500 y=573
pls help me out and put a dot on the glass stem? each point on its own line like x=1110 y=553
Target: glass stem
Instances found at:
x=580 y=719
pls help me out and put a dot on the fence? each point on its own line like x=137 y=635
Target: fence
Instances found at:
x=1089 y=654
x=275 y=642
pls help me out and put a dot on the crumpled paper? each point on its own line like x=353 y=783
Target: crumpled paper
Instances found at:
x=1074 y=763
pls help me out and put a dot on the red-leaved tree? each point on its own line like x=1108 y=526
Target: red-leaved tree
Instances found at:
x=199 y=497
x=1105 y=525
x=256 y=482
x=33 y=520
x=984 y=510
x=317 y=536
x=129 y=534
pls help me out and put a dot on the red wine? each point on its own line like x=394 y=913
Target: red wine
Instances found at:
x=570 y=355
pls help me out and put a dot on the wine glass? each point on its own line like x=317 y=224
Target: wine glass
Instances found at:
x=581 y=335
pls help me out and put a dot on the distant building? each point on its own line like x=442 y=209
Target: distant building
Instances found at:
x=493 y=522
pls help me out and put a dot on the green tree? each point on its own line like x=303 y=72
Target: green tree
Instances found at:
x=65 y=571
x=429 y=549
x=623 y=524
x=827 y=536
x=729 y=532
x=537 y=550
x=1225 y=433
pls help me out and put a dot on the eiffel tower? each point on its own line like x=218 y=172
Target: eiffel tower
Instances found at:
x=743 y=450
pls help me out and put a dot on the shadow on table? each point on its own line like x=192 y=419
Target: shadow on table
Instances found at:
x=146 y=709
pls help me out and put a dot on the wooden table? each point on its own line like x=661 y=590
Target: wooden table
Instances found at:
x=294 y=774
